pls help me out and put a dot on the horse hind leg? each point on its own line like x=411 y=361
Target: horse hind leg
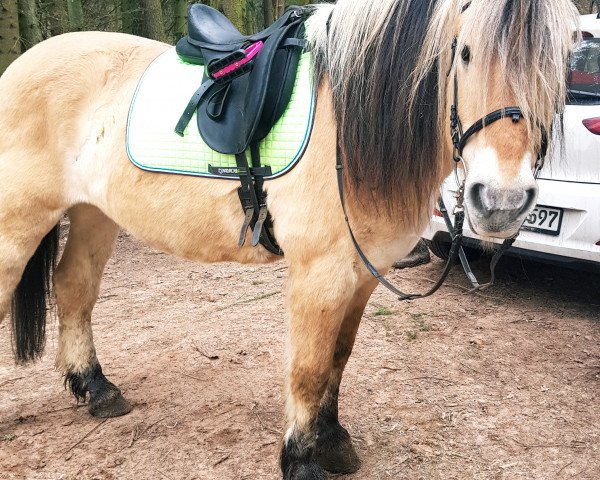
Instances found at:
x=334 y=449
x=76 y=284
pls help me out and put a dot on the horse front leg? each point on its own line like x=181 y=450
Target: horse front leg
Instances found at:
x=334 y=449
x=76 y=285
x=318 y=296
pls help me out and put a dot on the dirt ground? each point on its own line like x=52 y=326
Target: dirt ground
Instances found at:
x=500 y=385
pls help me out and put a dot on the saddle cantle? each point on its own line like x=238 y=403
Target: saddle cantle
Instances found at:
x=247 y=85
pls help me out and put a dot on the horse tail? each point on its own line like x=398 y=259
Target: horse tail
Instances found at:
x=30 y=297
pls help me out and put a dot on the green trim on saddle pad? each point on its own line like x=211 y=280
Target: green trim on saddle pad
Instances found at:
x=160 y=99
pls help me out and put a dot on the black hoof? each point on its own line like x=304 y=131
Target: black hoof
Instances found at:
x=105 y=399
x=298 y=458
x=335 y=452
x=301 y=471
x=109 y=403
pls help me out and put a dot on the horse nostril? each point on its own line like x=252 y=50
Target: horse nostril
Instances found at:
x=488 y=200
x=530 y=196
x=477 y=191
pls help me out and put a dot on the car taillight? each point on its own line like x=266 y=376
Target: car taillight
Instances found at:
x=586 y=35
x=437 y=213
x=593 y=125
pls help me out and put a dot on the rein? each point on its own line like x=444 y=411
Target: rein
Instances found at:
x=460 y=139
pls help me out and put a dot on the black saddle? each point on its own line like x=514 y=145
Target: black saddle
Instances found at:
x=232 y=114
x=246 y=88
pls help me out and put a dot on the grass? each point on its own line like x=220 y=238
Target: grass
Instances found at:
x=417 y=318
x=9 y=437
x=411 y=335
x=383 y=311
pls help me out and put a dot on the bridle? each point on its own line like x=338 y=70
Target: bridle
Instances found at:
x=459 y=142
x=460 y=139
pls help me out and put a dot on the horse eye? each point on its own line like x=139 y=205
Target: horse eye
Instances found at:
x=466 y=54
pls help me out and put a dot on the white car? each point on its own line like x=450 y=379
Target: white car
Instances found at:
x=564 y=228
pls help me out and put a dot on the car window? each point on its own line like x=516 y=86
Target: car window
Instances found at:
x=584 y=78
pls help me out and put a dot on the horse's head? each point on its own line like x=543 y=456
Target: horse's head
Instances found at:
x=505 y=86
x=392 y=100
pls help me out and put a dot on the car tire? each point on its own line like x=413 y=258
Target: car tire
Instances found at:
x=439 y=248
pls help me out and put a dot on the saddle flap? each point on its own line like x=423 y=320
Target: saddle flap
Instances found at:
x=280 y=87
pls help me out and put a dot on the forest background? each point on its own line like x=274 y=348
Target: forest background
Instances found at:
x=23 y=23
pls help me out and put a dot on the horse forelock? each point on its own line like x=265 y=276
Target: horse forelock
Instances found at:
x=368 y=56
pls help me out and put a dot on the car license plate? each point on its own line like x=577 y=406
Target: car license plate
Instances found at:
x=546 y=220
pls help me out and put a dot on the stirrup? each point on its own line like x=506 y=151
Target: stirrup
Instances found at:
x=246 y=225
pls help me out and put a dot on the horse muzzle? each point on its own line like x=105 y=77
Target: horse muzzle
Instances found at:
x=498 y=212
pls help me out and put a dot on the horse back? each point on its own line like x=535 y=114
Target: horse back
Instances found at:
x=58 y=80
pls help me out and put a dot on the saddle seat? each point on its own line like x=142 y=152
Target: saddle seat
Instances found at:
x=209 y=28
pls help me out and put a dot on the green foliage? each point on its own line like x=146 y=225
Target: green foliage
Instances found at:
x=383 y=311
x=411 y=335
x=41 y=19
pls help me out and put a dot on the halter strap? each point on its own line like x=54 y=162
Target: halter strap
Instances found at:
x=513 y=112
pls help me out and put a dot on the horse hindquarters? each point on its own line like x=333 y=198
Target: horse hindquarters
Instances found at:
x=28 y=249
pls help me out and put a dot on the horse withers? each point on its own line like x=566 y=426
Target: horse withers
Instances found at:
x=388 y=76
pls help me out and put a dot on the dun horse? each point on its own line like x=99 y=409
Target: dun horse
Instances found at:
x=385 y=73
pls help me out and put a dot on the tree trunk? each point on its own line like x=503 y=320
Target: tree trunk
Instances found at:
x=153 y=20
x=29 y=26
x=58 y=18
x=269 y=12
x=181 y=18
x=280 y=7
x=128 y=16
x=114 y=20
x=10 y=47
x=236 y=11
x=75 y=11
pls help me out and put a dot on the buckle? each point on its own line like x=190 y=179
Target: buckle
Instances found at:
x=234 y=65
